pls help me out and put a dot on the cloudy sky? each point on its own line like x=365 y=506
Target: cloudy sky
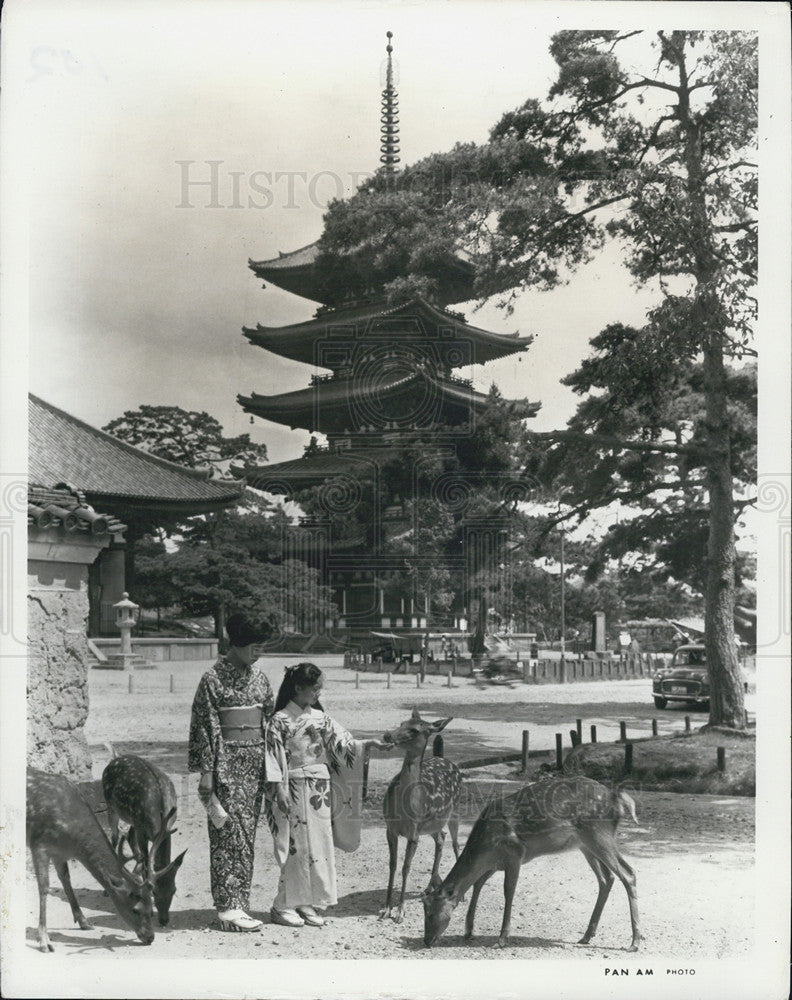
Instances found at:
x=138 y=276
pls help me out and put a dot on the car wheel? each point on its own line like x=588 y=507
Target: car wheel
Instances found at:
x=660 y=702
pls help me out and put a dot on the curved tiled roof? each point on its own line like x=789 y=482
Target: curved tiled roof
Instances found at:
x=297 y=272
x=63 y=508
x=299 y=340
x=63 y=449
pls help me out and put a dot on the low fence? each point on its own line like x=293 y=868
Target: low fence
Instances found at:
x=543 y=671
x=164 y=650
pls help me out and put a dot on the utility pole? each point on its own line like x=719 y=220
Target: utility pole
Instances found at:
x=563 y=621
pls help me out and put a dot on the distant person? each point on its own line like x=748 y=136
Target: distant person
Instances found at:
x=312 y=754
x=533 y=652
x=226 y=745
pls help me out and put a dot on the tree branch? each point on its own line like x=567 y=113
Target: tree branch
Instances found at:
x=620 y=443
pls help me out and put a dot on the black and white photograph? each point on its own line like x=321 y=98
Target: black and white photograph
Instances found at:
x=395 y=499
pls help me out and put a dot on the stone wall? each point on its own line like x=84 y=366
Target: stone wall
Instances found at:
x=58 y=652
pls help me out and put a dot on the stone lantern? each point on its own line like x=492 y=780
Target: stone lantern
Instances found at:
x=126 y=616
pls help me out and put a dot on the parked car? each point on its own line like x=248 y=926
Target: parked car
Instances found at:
x=686 y=678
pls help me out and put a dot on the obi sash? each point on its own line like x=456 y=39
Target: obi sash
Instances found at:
x=241 y=723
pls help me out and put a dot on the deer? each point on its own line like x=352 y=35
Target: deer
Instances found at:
x=141 y=794
x=543 y=817
x=61 y=827
x=423 y=798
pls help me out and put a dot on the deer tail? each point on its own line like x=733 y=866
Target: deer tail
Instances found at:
x=625 y=804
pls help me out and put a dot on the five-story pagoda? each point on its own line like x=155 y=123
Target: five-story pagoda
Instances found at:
x=390 y=382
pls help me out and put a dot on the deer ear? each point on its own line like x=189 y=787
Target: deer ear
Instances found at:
x=415 y=714
x=172 y=867
x=441 y=723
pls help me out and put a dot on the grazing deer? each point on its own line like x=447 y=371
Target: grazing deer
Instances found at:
x=421 y=799
x=61 y=827
x=142 y=795
x=545 y=817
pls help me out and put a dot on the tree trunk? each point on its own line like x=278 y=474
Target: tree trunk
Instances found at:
x=727 y=702
x=220 y=617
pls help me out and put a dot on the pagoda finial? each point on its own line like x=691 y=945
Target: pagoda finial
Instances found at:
x=389 y=119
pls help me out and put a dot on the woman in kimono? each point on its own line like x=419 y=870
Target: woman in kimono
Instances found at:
x=320 y=765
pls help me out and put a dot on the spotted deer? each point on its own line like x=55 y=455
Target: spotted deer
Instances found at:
x=423 y=798
x=61 y=827
x=545 y=817
x=142 y=795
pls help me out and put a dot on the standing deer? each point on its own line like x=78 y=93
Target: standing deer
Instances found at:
x=143 y=795
x=545 y=817
x=61 y=827
x=421 y=799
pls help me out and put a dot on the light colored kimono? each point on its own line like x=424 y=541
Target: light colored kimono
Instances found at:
x=323 y=764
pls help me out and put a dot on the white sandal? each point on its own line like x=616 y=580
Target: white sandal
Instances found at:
x=287 y=918
x=310 y=916
x=238 y=920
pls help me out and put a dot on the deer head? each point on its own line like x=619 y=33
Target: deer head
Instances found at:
x=413 y=734
x=133 y=894
x=438 y=904
x=164 y=880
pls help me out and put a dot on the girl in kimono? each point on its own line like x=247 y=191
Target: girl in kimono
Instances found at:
x=320 y=765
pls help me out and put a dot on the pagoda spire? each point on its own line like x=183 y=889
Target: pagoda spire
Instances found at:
x=389 y=118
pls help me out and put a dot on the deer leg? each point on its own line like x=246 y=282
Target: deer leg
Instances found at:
x=510 y=876
x=439 y=839
x=393 y=851
x=41 y=868
x=605 y=881
x=112 y=820
x=408 y=856
x=603 y=846
x=471 y=913
x=62 y=869
x=453 y=829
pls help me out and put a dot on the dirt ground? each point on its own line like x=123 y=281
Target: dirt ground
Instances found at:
x=693 y=854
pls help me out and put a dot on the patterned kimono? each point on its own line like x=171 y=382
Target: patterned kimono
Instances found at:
x=324 y=765
x=226 y=738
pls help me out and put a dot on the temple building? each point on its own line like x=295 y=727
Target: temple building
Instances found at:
x=389 y=377
x=133 y=487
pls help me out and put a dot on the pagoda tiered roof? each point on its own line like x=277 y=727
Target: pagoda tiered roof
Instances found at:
x=299 y=273
x=314 y=341
x=342 y=404
x=318 y=467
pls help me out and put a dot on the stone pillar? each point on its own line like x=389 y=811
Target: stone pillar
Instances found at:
x=58 y=649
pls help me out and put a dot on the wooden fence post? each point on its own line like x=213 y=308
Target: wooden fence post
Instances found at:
x=579 y=727
x=130 y=683
x=687 y=723
x=574 y=739
x=525 y=739
x=593 y=734
x=628 y=758
x=559 y=752
x=622 y=732
x=721 y=759
x=172 y=688
x=448 y=682
x=387 y=678
x=654 y=727
x=357 y=679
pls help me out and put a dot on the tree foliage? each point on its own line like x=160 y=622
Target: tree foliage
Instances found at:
x=189 y=438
